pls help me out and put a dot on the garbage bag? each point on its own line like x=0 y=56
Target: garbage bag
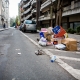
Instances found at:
x=42 y=43
x=60 y=46
x=43 y=39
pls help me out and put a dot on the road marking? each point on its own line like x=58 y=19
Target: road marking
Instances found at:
x=69 y=58
x=32 y=40
x=13 y=79
x=65 y=51
x=17 y=49
x=19 y=53
x=64 y=65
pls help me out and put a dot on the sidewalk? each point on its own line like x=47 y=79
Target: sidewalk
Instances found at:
x=2 y=29
x=75 y=36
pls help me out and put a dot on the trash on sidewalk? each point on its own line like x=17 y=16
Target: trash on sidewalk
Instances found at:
x=71 y=44
x=53 y=58
x=56 y=36
x=42 y=41
x=60 y=46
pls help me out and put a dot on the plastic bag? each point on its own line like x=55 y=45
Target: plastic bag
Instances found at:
x=60 y=46
x=42 y=43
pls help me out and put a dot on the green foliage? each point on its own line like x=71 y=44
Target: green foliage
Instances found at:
x=72 y=31
x=78 y=29
x=39 y=28
x=12 y=21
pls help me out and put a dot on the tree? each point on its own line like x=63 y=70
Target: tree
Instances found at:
x=17 y=21
x=58 y=9
x=12 y=21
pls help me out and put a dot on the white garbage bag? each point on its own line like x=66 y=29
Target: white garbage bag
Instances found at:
x=42 y=41
x=60 y=46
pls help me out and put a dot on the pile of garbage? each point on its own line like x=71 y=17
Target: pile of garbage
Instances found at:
x=57 y=36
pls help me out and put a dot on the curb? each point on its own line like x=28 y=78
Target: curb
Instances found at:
x=4 y=29
x=1 y=29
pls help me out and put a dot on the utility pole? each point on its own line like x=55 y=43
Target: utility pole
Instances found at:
x=38 y=12
x=51 y=14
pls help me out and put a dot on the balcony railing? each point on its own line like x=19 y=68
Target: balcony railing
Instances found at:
x=22 y=19
x=25 y=12
x=21 y=14
x=45 y=17
x=24 y=0
x=27 y=16
x=69 y=10
x=34 y=11
x=33 y=2
x=26 y=5
x=72 y=11
x=34 y=19
x=46 y=3
x=76 y=5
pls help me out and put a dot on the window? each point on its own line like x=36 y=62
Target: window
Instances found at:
x=76 y=24
x=29 y=22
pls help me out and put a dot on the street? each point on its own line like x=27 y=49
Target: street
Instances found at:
x=18 y=60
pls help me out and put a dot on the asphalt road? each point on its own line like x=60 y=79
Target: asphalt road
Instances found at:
x=19 y=62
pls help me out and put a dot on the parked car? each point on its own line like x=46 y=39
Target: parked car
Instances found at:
x=21 y=26
x=29 y=25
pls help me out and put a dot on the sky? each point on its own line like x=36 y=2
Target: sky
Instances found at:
x=13 y=8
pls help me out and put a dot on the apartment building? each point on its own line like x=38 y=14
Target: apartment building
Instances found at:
x=4 y=13
x=27 y=10
x=42 y=12
x=70 y=13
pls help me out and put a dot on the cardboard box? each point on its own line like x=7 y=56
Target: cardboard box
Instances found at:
x=47 y=36
x=70 y=40
x=59 y=41
x=73 y=47
x=71 y=44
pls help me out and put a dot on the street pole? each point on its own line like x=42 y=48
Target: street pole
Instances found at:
x=38 y=12
x=51 y=16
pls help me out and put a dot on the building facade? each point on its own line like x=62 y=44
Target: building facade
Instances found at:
x=4 y=13
x=42 y=11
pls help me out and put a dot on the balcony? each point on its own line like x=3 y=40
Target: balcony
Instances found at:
x=46 y=3
x=70 y=10
x=33 y=11
x=24 y=0
x=21 y=3
x=33 y=2
x=27 y=16
x=26 y=5
x=22 y=19
x=45 y=17
x=21 y=14
x=25 y=12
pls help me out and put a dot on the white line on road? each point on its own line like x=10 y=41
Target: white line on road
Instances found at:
x=64 y=65
x=69 y=58
x=17 y=49
x=31 y=40
x=65 y=51
x=19 y=53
